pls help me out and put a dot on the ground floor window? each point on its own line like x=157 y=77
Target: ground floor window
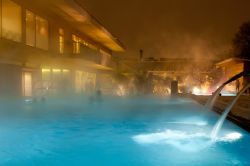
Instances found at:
x=56 y=80
x=85 y=82
x=27 y=84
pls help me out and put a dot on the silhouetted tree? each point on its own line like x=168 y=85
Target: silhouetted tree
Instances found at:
x=241 y=41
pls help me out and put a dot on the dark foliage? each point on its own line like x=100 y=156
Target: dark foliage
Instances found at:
x=241 y=42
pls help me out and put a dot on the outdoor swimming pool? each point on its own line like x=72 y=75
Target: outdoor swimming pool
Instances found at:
x=117 y=132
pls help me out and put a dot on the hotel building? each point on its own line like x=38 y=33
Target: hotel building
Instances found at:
x=53 y=47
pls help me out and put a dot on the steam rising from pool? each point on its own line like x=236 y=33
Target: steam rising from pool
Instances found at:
x=184 y=141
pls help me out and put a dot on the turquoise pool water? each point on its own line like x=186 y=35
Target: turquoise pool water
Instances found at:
x=117 y=132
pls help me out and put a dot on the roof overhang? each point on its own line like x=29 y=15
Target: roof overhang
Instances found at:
x=87 y=24
x=75 y=16
x=231 y=61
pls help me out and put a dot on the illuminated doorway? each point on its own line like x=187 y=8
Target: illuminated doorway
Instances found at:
x=27 y=84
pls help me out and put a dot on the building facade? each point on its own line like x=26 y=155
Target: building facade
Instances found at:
x=232 y=67
x=158 y=74
x=52 y=47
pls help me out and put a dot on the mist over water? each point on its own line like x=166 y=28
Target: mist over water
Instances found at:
x=144 y=130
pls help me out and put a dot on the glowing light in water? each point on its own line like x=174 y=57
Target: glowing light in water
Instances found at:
x=231 y=137
x=184 y=141
x=163 y=137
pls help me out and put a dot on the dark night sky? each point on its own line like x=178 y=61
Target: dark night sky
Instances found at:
x=172 y=28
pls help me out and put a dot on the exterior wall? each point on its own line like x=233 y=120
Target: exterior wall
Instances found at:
x=232 y=70
x=90 y=55
x=235 y=66
x=10 y=80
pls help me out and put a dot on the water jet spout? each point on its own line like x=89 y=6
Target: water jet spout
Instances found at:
x=213 y=98
x=220 y=122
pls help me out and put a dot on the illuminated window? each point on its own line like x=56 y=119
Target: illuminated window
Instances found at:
x=66 y=77
x=42 y=33
x=36 y=31
x=30 y=28
x=11 y=21
x=56 y=78
x=46 y=74
x=27 y=84
x=76 y=44
x=61 y=41
x=56 y=70
x=85 y=82
x=65 y=71
x=80 y=78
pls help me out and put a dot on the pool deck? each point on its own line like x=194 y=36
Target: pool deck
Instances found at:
x=240 y=113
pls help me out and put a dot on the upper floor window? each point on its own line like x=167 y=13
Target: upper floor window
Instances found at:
x=36 y=31
x=76 y=44
x=61 y=41
x=30 y=28
x=42 y=38
x=11 y=21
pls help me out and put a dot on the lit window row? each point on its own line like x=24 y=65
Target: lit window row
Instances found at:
x=36 y=29
x=11 y=25
x=77 y=42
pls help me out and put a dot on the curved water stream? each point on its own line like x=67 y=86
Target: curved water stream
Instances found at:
x=220 y=122
x=215 y=95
